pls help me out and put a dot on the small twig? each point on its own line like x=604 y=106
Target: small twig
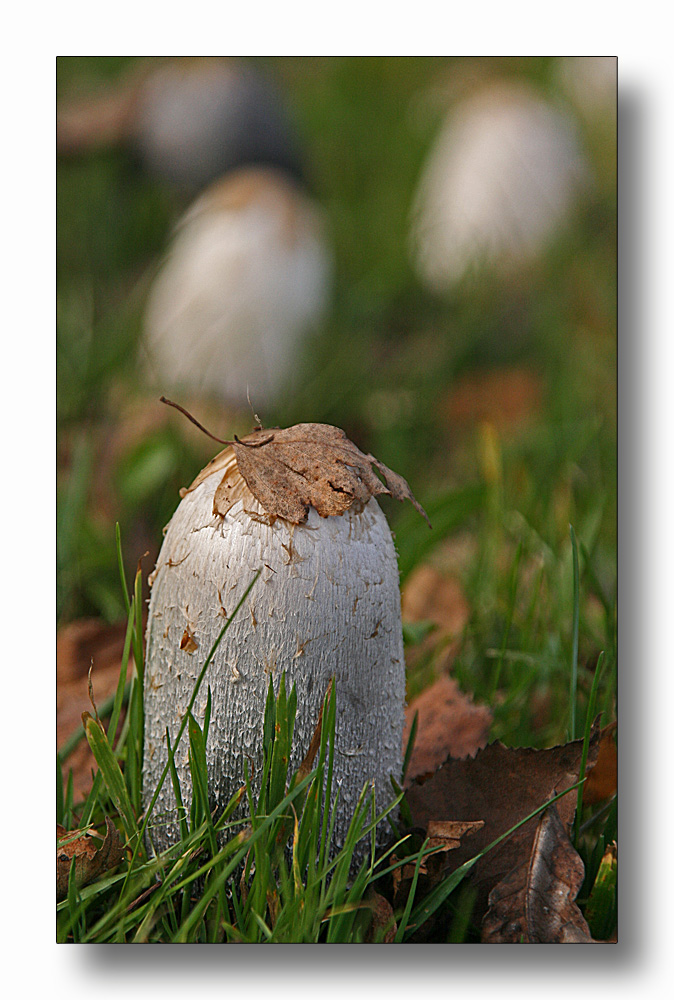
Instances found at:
x=143 y=896
x=189 y=416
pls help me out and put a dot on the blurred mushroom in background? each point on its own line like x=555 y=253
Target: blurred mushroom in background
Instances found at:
x=245 y=281
x=500 y=182
x=247 y=272
x=187 y=120
x=590 y=83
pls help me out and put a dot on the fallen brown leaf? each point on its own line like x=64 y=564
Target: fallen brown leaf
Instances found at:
x=309 y=465
x=428 y=595
x=602 y=782
x=91 y=861
x=383 y=926
x=505 y=398
x=449 y=725
x=445 y=835
x=442 y=836
x=501 y=786
x=77 y=644
x=535 y=902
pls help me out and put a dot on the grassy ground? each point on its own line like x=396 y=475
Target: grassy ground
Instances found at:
x=502 y=494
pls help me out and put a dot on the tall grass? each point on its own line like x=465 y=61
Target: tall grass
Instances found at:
x=273 y=876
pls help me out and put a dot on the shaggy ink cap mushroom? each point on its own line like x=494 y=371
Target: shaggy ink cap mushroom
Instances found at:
x=300 y=505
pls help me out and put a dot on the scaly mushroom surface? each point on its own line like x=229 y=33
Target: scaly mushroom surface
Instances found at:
x=327 y=603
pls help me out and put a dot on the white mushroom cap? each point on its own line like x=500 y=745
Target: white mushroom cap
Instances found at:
x=246 y=279
x=501 y=179
x=327 y=604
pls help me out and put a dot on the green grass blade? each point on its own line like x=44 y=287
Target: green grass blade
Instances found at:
x=207 y=713
x=180 y=808
x=121 y=683
x=404 y=920
x=574 y=652
x=104 y=712
x=586 y=742
x=262 y=830
x=410 y=746
x=137 y=703
x=601 y=909
x=512 y=597
x=68 y=799
x=92 y=799
x=120 y=566
x=60 y=798
x=112 y=774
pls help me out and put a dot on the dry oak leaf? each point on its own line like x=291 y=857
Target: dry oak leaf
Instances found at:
x=535 y=903
x=449 y=725
x=309 y=465
x=91 y=861
x=500 y=785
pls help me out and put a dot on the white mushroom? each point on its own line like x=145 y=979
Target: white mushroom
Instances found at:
x=327 y=604
x=197 y=118
x=188 y=120
x=245 y=281
x=500 y=182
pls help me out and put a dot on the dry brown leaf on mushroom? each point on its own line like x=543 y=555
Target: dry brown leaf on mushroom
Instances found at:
x=291 y=469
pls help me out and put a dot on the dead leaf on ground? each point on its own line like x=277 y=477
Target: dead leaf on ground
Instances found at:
x=602 y=782
x=383 y=926
x=309 y=465
x=91 y=860
x=80 y=641
x=77 y=644
x=500 y=785
x=428 y=595
x=449 y=725
x=506 y=398
x=442 y=836
x=445 y=835
x=535 y=902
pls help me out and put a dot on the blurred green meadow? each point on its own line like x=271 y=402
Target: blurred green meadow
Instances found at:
x=496 y=401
